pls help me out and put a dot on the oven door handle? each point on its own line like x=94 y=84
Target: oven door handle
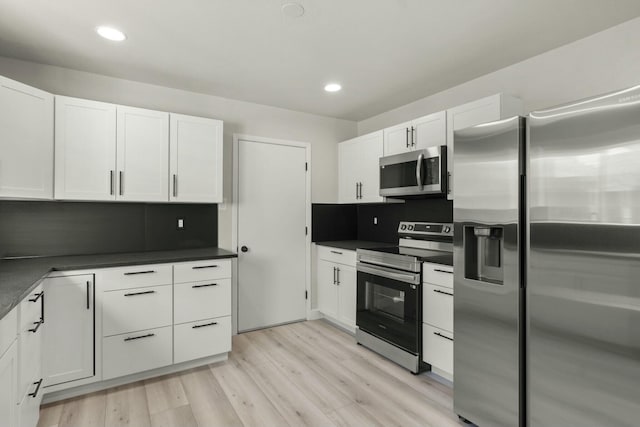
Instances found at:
x=412 y=278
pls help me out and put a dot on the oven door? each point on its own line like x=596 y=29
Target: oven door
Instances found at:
x=414 y=173
x=389 y=305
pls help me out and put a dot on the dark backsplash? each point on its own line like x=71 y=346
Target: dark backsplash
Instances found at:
x=335 y=222
x=63 y=228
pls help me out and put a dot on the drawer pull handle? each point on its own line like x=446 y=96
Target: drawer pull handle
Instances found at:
x=131 y=273
x=198 y=267
x=141 y=336
x=37 y=297
x=202 y=326
x=442 y=292
x=443 y=336
x=442 y=271
x=131 y=294
x=204 y=286
x=336 y=252
x=38 y=323
x=37 y=384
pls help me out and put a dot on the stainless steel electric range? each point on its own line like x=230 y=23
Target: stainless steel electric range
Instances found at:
x=389 y=307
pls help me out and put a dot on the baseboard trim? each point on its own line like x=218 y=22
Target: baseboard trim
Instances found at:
x=115 y=382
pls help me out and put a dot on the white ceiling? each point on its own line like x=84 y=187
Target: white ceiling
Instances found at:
x=385 y=53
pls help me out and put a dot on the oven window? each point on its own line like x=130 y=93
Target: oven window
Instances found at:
x=385 y=302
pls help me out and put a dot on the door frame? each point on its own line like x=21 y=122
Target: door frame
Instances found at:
x=234 y=211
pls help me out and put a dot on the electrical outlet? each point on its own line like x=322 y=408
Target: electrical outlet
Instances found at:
x=180 y=223
x=375 y=220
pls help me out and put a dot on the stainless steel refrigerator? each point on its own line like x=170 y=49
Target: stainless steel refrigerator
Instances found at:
x=547 y=267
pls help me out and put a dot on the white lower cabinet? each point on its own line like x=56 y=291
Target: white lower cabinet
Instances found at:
x=68 y=329
x=136 y=352
x=336 y=286
x=200 y=339
x=201 y=300
x=8 y=385
x=136 y=309
x=438 y=349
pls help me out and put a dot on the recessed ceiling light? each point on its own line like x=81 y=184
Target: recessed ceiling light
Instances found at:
x=332 y=87
x=292 y=9
x=111 y=33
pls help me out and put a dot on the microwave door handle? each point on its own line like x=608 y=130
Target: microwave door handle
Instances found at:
x=419 y=171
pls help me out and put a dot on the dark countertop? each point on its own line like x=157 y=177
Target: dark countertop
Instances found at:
x=18 y=277
x=352 y=245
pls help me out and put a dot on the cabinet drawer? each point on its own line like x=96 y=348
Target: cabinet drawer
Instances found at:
x=201 y=339
x=141 y=351
x=437 y=348
x=136 y=276
x=30 y=310
x=341 y=256
x=437 y=274
x=201 y=270
x=437 y=303
x=201 y=300
x=136 y=309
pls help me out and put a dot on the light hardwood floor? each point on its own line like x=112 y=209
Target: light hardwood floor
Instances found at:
x=302 y=374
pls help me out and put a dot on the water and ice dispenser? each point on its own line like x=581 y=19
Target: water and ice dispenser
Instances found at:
x=484 y=249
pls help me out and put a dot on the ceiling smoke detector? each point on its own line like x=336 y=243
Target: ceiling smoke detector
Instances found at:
x=292 y=10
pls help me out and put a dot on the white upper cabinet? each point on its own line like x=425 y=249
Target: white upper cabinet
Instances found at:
x=491 y=108
x=26 y=141
x=195 y=159
x=359 y=167
x=142 y=155
x=427 y=131
x=85 y=149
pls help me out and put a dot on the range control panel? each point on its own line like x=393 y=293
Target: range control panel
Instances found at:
x=425 y=228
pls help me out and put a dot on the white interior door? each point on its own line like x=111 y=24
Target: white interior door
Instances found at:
x=272 y=203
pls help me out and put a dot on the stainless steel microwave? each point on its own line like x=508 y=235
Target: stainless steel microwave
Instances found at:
x=416 y=173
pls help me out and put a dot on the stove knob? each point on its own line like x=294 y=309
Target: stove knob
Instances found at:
x=447 y=229
x=403 y=227
x=410 y=227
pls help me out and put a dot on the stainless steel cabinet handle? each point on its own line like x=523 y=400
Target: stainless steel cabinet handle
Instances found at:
x=334 y=275
x=88 y=294
x=204 y=286
x=131 y=273
x=360 y=191
x=121 y=183
x=419 y=171
x=38 y=324
x=442 y=271
x=37 y=384
x=336 y=252
x=442 y=292
x=338 y=276
x=413 y=138
x=139 y=337
x=37 y=297
x=206 y=324
x=175 y=185
x=111 y=183
x=132 y=294
x=356 y=191
x=406 y=138
x=443 y=336
x=198 y=267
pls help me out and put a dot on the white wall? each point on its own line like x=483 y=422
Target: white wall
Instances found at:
x=602 y=62
x=239 y=117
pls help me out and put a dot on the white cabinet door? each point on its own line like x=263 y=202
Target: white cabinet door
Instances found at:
x=8 y=387
x=68 y=328
x=327 y=289
x=143 y=155
x=195 y=159
x=368 y=167
x=85 y=149
x=397 y=139
x=491 y=108
x=430 y=131
x=26 y=141
x=347 y=300
x=348 y=164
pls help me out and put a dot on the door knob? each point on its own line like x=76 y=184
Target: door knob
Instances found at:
x=244 y=249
